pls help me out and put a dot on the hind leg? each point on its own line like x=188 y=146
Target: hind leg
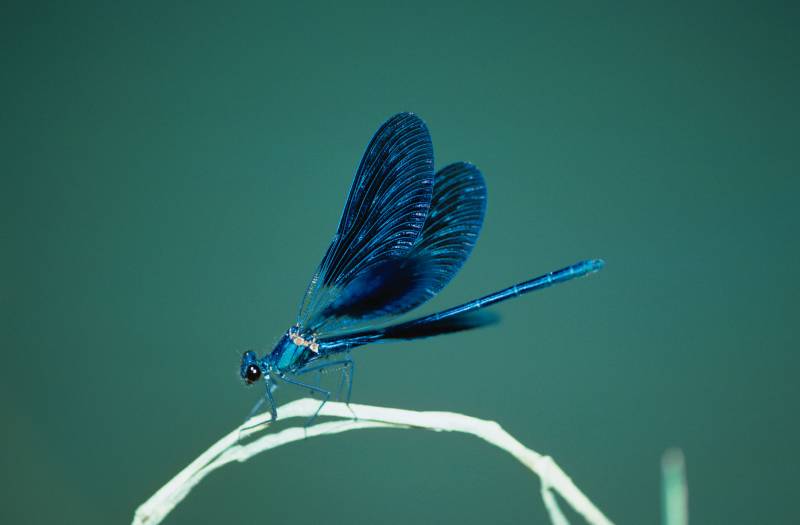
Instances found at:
x=348 y=371
x=326 y=395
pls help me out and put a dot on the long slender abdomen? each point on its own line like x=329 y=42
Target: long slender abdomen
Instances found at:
x=543 y=281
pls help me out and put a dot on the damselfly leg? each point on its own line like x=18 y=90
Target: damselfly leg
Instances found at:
x=273 y=411
x=326 y=395
x=348 y=368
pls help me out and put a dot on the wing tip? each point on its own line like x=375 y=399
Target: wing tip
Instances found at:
x=406 y=118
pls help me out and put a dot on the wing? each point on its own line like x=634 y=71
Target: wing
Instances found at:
x=399 y=284
x=454 y=222
x=415 y=329
x=382 y=219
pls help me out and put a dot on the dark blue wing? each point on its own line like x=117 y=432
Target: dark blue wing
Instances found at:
x=382 y=219
x=399 y=284
x=454 y=222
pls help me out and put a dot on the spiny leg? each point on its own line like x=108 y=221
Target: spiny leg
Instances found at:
x=272 y=410
x=348 y=371
x=345 y=364
x=326 y=395
x=255 y=408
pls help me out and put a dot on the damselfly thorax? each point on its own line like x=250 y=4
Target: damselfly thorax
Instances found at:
x=293 y=351
x=298 y=339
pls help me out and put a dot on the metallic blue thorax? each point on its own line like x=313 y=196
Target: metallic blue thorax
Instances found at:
x=288 y=356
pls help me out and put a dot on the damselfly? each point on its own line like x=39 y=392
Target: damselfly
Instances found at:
x=403 y=235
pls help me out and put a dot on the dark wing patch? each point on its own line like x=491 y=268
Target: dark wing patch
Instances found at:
x=448 y=325
x=383 y=289
x=454 y=222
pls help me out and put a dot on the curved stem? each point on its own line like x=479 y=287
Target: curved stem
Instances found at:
x=229 y=449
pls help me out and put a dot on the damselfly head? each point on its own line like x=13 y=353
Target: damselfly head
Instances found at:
x=250 y=370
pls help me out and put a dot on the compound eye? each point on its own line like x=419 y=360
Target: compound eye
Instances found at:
x=252 y=374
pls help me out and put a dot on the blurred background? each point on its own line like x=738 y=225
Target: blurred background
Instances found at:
x=172 y=174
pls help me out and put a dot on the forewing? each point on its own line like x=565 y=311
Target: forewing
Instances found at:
x=397 y=285
x=382 y=219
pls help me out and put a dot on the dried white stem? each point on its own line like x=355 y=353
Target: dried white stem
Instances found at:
x=229 y=449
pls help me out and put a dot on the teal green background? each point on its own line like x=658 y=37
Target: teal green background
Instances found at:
x=171 y=176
